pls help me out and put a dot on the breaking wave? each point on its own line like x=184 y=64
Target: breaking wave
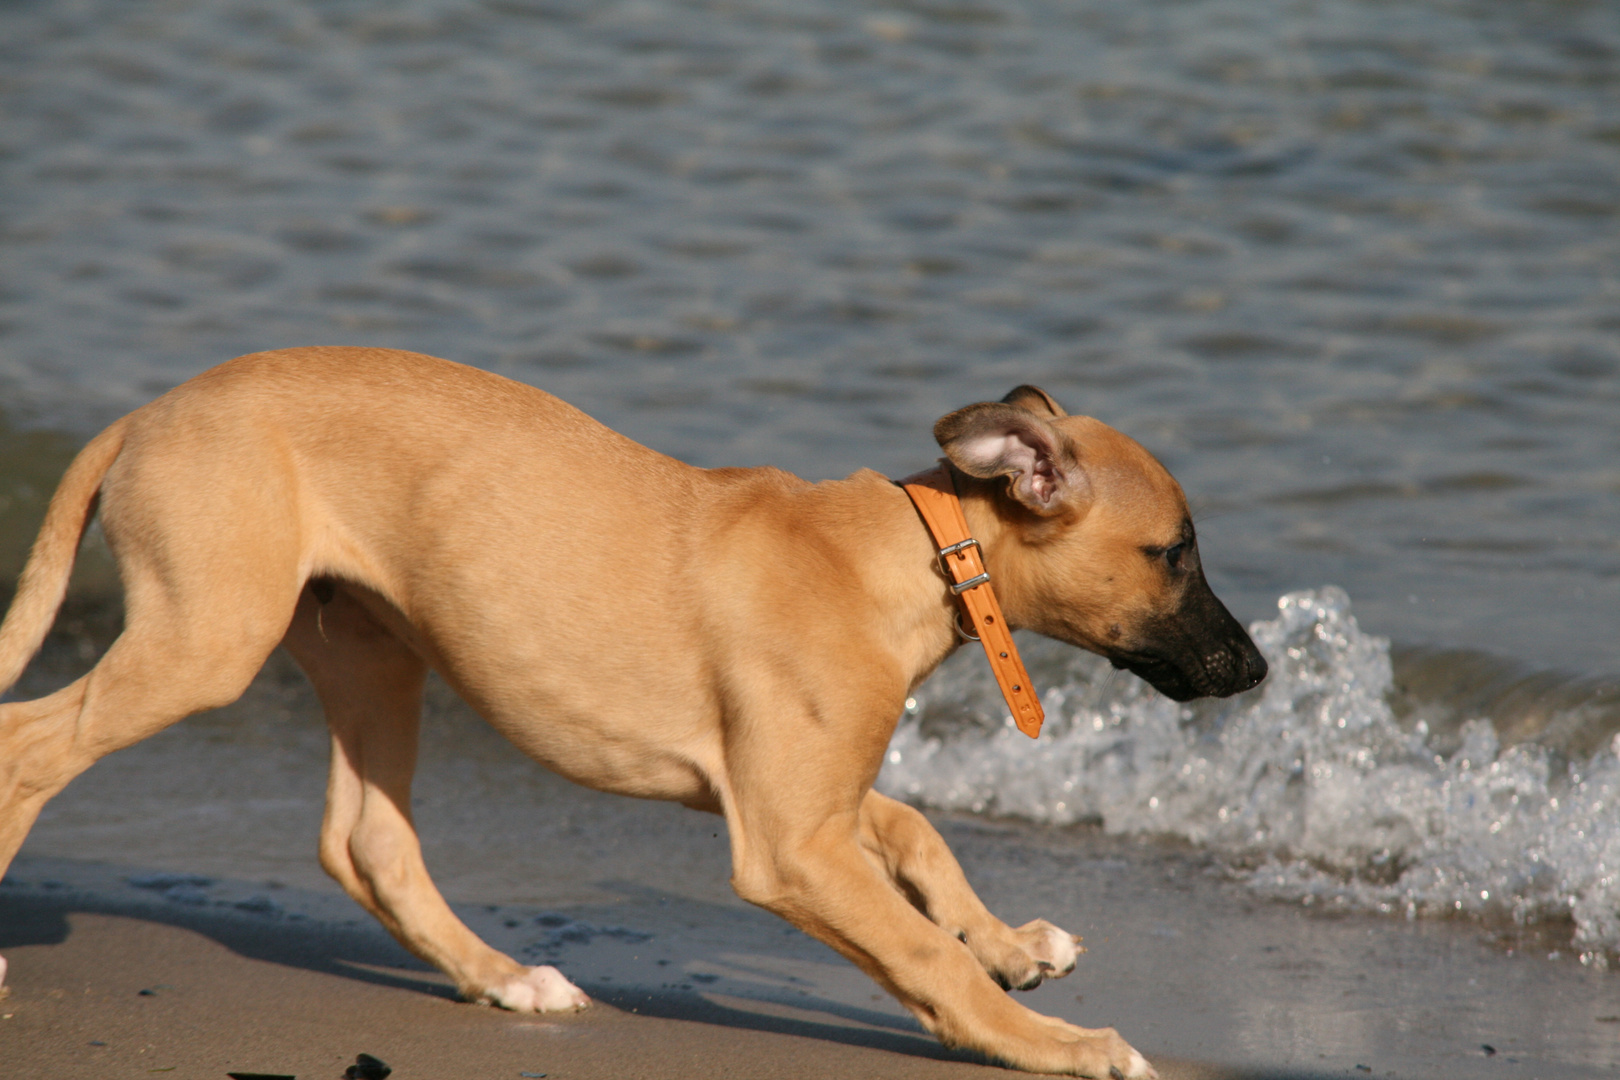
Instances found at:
x=1329 y=783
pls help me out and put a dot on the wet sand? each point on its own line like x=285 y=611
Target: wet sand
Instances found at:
x=122 y=973
x=203 y=995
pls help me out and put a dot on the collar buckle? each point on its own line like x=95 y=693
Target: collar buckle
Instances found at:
x=960 y=587
x=933 y=493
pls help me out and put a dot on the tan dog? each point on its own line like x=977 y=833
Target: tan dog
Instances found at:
x=737 y=640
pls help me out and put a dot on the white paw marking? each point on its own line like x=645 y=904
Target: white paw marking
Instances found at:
x=1139 y=1069
x=2 y=971
x=1055 y=948
x=540 y=989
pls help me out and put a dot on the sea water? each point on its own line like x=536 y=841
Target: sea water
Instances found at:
x=1309 y=783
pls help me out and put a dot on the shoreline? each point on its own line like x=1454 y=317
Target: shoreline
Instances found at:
x=115 y=971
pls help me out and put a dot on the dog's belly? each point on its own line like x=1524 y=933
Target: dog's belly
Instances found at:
x=588 y=700
x=614 y=728
x=647 y=757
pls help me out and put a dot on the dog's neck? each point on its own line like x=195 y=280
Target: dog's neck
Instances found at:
x=905 y=605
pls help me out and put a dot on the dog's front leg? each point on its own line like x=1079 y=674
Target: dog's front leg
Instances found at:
x=915 y=856
x=797 y=852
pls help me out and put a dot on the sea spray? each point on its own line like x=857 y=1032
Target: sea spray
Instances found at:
x=1309 y=783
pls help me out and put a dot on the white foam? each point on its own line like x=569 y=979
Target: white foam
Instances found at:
x=1308 y=782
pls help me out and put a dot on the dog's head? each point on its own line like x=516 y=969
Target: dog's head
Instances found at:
x=1096 y=546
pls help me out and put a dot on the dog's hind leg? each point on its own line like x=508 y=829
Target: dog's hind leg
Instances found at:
x=208 y=545
x=370 y=685
x=922 y=866
x=184 y=649
x=130 y=695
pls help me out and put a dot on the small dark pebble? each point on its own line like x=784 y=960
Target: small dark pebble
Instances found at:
x=257 y=905
x=1608 y=1019
x=162 y=882
x=366 y=1067
x=97 y=1042
x=531 y=1074
x=1490 y=1051
x=147 y=993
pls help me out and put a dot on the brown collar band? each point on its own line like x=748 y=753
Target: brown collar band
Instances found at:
x=933 y=492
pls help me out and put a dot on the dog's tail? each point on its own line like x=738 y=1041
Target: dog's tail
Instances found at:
x=44 y=580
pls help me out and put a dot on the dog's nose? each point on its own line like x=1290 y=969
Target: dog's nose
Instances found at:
x=1254 y=667
x=1236 y=667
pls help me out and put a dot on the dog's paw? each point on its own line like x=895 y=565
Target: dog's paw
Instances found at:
x=1096 y=1053
x=1053 y=949
x=1102 y=1055
x=539 y=989
x=1036 y=951
x=1136 y=1067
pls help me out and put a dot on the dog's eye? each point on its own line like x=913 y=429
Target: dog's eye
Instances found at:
x=1172 y=555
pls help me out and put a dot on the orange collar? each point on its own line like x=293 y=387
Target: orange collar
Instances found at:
x=933 y=491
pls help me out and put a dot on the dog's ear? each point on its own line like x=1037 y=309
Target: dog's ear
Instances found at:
x=1036 y=400
x=996 y=438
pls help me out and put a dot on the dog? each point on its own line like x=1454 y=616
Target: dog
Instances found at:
x=737 y=640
